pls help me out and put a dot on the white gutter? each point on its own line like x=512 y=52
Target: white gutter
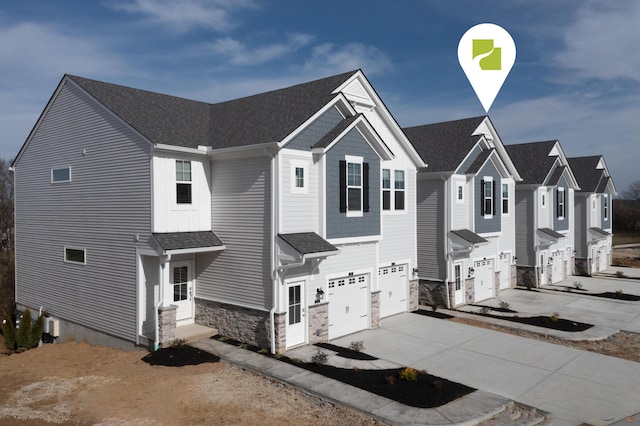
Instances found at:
x=275 y=202
x=449 y=252
x=163 y=265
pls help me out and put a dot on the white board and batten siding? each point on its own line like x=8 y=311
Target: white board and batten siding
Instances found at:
x=241 y=202
x=105 y=210
x=168 y=215
x=299 y=207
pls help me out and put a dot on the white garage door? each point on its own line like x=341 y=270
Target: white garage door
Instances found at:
x=603 y=260
x=557 y=267
x=505 y=271
x=393 y=290
x=484 y=279
x=348 y=305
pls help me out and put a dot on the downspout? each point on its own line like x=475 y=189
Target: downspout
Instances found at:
x=275 y=214
x=536 y=197
x=449 y=253
x=163 y=263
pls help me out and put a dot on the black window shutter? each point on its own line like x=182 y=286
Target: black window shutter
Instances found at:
x=557 y=203
x=343 y=186
x=495 y=199
x=482 y=197
x=365 y=187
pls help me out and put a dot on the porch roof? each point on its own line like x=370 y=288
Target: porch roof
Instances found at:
x=551 y=233
x=308 y=243
x=469 y=236
x=188 y=242
x=599 y=231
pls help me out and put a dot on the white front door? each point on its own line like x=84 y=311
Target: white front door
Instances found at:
x=181 y=284
x=295 y=313
x=484 y=279
x=458 y=284
x=348 y=305
x=393 y=290
x=505 y=271
x=543 y=270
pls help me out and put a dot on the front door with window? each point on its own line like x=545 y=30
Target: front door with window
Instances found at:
x=458 y=280
x=295 y=314
x=181 y=293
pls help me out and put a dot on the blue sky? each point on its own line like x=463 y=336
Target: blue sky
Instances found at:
x=576 y=76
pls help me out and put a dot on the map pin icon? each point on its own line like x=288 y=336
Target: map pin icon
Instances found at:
x=486 y=53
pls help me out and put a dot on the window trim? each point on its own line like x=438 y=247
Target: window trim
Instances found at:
x=386 y=191
x=349 y=159
x=53 y=169
x=505 y=211
x=293 y=166
x=184 y=182
x=457 y=279
x=402 y=190
x=543 y=197
x=459 y=193
x=487 y=180
x=562 y=204
x=605 y=206
x=66 y=259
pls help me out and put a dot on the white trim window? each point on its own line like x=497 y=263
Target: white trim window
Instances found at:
x=561 y=204
x=75 y=255
x=398 y=193
x=354 y=185
x=505 y=198
x=386 y=189
x=299 y=177
x=183 y=182
x=457 y=268
x=459 y=193
x=543 y=198
x=487 y=186
x=605 y=205
x=61 y=174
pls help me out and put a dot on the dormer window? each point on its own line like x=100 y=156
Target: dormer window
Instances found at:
x=183 y=182
x=487 y=189
x=605 y=206
x=561 y=204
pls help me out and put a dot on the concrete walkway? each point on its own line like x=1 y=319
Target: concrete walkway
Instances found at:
x=573 y=386
x=468 y=410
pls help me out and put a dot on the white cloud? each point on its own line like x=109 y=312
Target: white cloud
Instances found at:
x=602 y=41
x=330 y=59
x=240 y=54
x=182 y=15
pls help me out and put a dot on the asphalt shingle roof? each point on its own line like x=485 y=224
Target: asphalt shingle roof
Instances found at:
x=479 y=161
x=556 y=175
x=444 y=145
x=532 y=160
x=187 y=240
x=308 y=242
x=326 y=140
x=550 y=232
x=469 y=236
x=603 y=184
x=586 y=173
x=600 y=231
x=262 y=118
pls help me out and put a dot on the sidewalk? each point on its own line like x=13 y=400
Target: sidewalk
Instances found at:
x=468 y=410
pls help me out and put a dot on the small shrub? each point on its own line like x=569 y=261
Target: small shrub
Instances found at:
x=485 y=310
x=434 y=306
x=409 y=374
x=277 y=356
x=577 y=285
x=528 y=284
x=391 y=380
x=296 y=360
x=178 y=343
x=23 y=335
x=263 y=351
x=9 y=332
x=437 y=384
x=503 y=305
x=319 y=358
x=554 y=317
x=619 y=292
x=620 y=274
x=357 y=345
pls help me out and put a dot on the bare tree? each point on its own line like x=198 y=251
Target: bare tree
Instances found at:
x=632 y=192
x=7 y=261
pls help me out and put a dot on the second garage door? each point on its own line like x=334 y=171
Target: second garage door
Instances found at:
x=393 y=290
x=484 y=279
x=348 y=305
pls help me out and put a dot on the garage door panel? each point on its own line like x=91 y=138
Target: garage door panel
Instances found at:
x=484 y=281
x=393 y=290
x=348 y=305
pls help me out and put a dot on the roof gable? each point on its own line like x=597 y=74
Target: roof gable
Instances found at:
x=532 y=160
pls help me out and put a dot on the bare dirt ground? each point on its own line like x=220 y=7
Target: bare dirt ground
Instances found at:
x=81 y=384
x=628 y=256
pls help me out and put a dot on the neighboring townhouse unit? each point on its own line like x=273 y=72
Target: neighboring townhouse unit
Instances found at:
x=593 y=218
x=282 y=218
x=465 y=202
x=544 y=213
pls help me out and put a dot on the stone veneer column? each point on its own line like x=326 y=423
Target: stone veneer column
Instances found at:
x=375 y=309
x=414 y=295
x=318 y=323
x=496 y=290
x=469 y=290
x=167 y=324
x=280 y=322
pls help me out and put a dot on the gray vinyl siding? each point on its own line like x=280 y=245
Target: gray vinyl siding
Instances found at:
x=605 y=224
x=580 y=217
x=398 y=231
x=469 y=160
x=316 y=130
x=483 y=224
x=558 y=224
x=338 y=224
x=524 y=227
x=430 y=228
x=107 y=203
x=241 y=218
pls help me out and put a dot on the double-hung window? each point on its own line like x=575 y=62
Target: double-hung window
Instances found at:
x=459 y=193
x=458 y=276
x=399 y=189
x=487 y=188
x=605 y=206
x=183 y=182
x=561 y=203
x=299 y=177
x=505 y=198
x=386 y=189
x=354 y=187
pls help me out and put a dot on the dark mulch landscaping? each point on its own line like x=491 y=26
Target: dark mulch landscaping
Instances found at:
x=498 y=309
x=560 y=324
x=346 y=352
x=617 y=296
x=527 y=289
x=434 y=314
x=427 y=391
x=179 y=356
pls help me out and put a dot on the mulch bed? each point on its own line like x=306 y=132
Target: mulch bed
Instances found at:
x=434 y=314
x=617 y=296
x=427 y=391
x=179 y=356
x=346 y=352
x=560 y=324
x=497 y=309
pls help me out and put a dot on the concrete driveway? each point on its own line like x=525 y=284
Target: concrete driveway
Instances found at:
x=573 y=386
